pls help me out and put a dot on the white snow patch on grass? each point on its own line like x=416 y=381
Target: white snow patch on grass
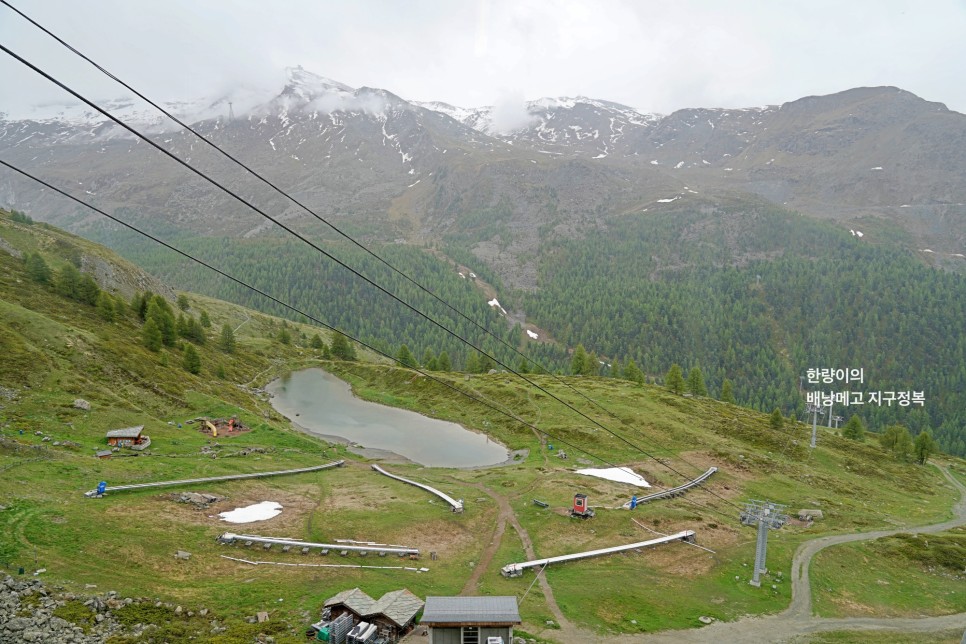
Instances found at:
x=654 y=162
x=532 y=334
x=878 y=167
x=618 y=474
x=669 y=200
x=679 y=165
x=250 y=513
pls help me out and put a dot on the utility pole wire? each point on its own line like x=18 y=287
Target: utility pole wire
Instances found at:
x=294 y=309
x=314 y=214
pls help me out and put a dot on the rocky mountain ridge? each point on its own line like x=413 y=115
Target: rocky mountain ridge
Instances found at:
x=421 y=172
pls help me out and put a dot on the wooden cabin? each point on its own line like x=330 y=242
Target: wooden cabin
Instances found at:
x=127 y=437
x=466 y=620
x=394 y=614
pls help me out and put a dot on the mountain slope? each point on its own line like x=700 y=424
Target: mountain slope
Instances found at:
x=367 y=156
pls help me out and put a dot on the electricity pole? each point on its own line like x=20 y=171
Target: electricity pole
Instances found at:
x=766 y=515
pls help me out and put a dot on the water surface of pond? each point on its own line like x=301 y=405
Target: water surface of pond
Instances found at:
x=323 y=404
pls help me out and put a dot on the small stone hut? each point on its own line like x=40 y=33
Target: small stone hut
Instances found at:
x=127 y=437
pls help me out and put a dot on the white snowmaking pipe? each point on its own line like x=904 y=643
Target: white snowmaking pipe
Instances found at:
x=229 y=537
x=457 y=504
x=515 y=569
x=210 y=479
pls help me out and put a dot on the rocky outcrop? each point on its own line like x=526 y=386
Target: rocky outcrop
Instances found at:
x=29 y=612
x=27 y=615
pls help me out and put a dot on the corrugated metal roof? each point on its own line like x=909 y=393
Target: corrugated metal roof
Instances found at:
x=487 y=610
x=399 y=605
x=127 y=432
x=354 y=599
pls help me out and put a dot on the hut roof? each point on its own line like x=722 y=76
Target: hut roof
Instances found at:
x=399 y=606
x=470 y=610
x=127 y=432
x=355 y=600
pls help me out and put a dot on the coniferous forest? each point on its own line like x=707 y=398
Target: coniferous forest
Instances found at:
x=750 y=294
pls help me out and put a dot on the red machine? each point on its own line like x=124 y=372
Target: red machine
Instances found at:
x=581 y=509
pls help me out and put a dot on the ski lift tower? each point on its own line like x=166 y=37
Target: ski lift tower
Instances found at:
x=768 y=516
x=814 y=410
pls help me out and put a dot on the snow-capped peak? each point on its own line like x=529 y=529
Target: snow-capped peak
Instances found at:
x=307 y=85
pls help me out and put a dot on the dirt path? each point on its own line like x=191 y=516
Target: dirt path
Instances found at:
x=788 y=626
x=567 y=631
x=797 y=620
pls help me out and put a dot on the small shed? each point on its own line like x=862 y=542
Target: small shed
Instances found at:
x=395 y=613
x=127 y=437
x=462 y=620
x=355 y=602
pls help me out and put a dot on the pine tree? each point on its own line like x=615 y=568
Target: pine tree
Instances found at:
x=205 y=320
x=443 y=362
x=183 y=302
x=896 y=439
x=181 y=325
x=284 y=336
x=316 y=342
x=632 y=372
x=151 y=336
x=727 y=392
x=160 y=312
x=854 y=429
x=674 y=380
x=696 y=382
x=227 y=340
x=140 y=303
x=924 y=447
x=87 y=290
x=37 y=268
x=105 y=306
x=776 y=420
x=342 y=349
x=473 y=361
x=904 y=447
x=68 y=281
x=591 y=365
x=191 y=360
x=486 y=364
x=889 y=437
x=405 y=357
x=615 y=370
x=429 y=360
x=196 y=333
x=578 y=361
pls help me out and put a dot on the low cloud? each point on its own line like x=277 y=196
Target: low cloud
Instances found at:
x=510 y=114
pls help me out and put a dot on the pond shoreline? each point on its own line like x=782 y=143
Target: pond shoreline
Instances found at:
x=387 y=456
x=320 y=403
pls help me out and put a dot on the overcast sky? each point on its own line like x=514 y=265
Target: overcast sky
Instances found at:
x=656 y=56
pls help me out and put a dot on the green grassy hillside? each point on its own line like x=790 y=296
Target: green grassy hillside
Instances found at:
x=57 y=349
